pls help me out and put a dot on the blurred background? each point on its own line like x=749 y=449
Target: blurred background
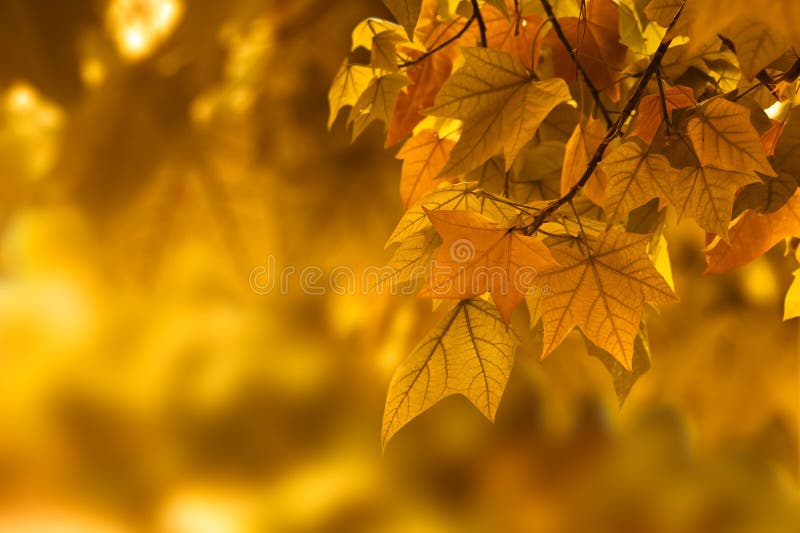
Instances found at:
x=153 y=153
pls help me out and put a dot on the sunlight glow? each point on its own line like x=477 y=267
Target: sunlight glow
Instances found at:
x=139 y=26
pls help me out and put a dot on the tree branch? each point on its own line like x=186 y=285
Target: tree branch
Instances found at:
x=441 y=45
x=548 y=9
x=614 y=131
x=476 y=12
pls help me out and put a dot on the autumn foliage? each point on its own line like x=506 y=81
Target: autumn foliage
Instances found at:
x=547 y=146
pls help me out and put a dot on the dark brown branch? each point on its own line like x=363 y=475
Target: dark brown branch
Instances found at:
x=663 y=99
x=441 y=45
x=476 y=13
x=614 y=131
x=548 y=9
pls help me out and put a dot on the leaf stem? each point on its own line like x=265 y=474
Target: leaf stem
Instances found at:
x=614 y=131
x=548 y=9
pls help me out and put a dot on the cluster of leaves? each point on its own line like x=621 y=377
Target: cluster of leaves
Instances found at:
x=565 y=138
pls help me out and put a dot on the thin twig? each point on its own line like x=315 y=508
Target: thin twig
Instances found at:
x=612 y=132
x=548 y=9
x=476 y=12
x=435 y=49
x=663 y=99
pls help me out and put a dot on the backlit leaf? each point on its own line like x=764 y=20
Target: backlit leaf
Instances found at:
x=500 y=103
x=477 y=257
x=469 y=352
x=601 y=288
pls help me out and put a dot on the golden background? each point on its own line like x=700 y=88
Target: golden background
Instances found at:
x=152 y=154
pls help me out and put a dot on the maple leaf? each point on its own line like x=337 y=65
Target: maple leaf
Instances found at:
x=477 y=257
x=752 y=234
x=364 y=33
x=581 y=147
x=376 y=102
x=757 y=44
x=426 y=79
x=708 y=193
x=601 y=288
x=424 y=156
x=412 y=258
x=462 y=196
x=469 y=352
x=427 y=73
x=650 y=114
x=622 y=378
x=500 y=103
x=635 y=176
x=724 y=138
x=596 y=41
x=517 y=37
x=384 y=51
x=406 y=12
x=767 y=195
x=349 y=83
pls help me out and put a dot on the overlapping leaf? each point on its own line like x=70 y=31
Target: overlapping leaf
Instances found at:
x=650 y=114
x=724 y=138
x=406 y=12
x=462 y=196
x=376 y=102
x=635 y=176
x=424 y=156
x=752 y=234
x=596 y=40
x=500 y=103
x=601 y=288
x=348 y=85
x=580 y=149
x=478 y=257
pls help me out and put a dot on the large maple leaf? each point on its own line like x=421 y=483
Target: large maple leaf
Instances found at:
x=501 y=104
x=601 y=288
x=478 y=257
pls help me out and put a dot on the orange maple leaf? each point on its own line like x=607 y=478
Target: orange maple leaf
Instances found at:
x=601 y=288
x=752 y=234
x=478 y=257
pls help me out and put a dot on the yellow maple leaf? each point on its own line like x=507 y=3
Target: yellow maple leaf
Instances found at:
x=376 y=102
x=601 y=288
x=477 y=257
x=635 y=176
x=462 y=196
x=349 y=83
x=724 y=138
x=406 y=12
x=707 y=193
x=500 y=103
x=469 y=352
